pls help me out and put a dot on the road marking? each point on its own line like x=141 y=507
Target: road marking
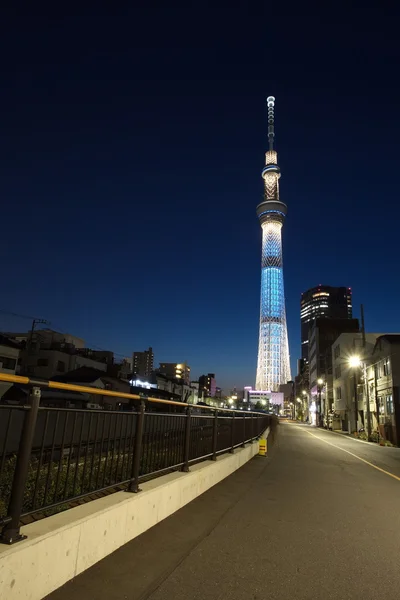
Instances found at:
x=352 y=454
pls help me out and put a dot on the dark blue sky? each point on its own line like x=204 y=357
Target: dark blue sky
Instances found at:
x=131 y=151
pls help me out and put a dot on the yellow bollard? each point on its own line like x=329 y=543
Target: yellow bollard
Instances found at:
x=262 y=448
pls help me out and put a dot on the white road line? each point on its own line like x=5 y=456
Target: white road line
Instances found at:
x=351 y=454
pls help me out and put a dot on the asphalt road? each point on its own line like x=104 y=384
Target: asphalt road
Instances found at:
x=318 y=519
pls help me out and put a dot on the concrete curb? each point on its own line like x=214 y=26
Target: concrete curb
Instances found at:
x=62 y=546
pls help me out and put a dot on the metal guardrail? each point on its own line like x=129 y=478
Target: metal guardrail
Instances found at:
x=53 y=457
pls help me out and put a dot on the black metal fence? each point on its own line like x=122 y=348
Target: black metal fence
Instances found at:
x=51 y=458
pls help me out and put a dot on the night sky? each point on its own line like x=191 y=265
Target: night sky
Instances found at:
x=131 y=155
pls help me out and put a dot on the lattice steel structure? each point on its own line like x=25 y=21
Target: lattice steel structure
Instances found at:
x=273 y=366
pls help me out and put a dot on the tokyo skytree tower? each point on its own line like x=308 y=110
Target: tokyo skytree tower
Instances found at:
x=273 y=366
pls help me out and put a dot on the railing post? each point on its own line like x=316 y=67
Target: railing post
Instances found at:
x=185 y=467
x=215 y=436
x=232 y=450
x=137 y=452
x=252 y=427
x=11 y=531
x=244 y=430
x=259 y=421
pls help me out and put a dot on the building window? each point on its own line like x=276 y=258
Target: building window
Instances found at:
x=43 y=362
x=338 y=371
x=338 y=393
x=389 y=405
x=337 y=351
x=386 y=367
x=8 y=363
x=61 y=366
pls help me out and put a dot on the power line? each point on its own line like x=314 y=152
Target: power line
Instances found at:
x=60 y=329
x=92 y=345
x=13 y=314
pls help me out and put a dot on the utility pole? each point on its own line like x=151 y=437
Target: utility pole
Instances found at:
x=362 y=325
x=365 y=375
x=376 y=397
x=30 y=336
x=368 y=405
x=355 y=371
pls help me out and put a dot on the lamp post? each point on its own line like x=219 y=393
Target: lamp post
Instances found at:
x=320 y=384
x=298 y=401
x=356 y=362
x=292 y=409
x=305 y=404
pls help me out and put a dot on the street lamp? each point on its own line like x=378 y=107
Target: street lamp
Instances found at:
x=355 y=362
x=320 y=383
x=293 y=410
x=305 y=405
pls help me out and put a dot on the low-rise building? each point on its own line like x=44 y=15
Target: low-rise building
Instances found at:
x=207 y=385
x=263 y=399
x=346 y=378
x=175 y=371
x=323 y=333
x=287 y=390
x=47 y=354
x=9 y=357
x=383 y=380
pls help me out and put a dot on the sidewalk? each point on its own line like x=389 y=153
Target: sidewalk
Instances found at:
x=287 y=526
x=136 y=570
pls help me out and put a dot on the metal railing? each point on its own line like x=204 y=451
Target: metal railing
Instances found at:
x=52 y=458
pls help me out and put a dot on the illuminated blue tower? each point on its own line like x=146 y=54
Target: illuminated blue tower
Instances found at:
x=273 y=366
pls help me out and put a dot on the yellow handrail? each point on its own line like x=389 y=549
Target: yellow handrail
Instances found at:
x=58 y=385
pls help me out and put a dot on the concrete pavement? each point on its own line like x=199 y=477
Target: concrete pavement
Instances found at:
x=314 y=521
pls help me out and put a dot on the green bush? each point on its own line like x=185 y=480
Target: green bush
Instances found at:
x=54 y=485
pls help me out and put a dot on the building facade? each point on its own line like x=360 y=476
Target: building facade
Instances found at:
x=323 y=334
x=321 y=302
x=273 y=365
x=207 y=385
x=175 y=371
x=383 y=377
x=46 y=354
x=143 y=363
x=9 y=357
x=346 y=378
x=263 y=399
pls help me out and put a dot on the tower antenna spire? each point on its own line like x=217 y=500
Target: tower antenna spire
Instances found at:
x=271 y=121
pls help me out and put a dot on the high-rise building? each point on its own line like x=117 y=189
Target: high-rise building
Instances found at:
x=326 y=302
x=323 y=334
x=176 y=371
x=143 y=363
x=207 y=385
x=273 y=366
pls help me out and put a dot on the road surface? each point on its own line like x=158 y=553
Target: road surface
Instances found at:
x=318 y=519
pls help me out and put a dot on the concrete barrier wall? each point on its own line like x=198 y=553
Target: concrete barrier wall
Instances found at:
x=62 y=546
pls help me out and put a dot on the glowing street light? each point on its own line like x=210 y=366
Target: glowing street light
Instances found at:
x=354 y=362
